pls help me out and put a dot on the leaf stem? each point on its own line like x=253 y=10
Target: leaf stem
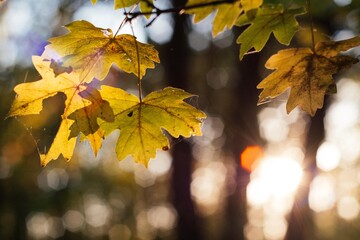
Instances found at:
x=308 y=3
x=127 y=19
x=121 y=25
x=138 y=64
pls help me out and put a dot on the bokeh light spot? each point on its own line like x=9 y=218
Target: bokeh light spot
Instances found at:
x=348 y=208
x=327 y=157
x=322 y=193
x=249 y=156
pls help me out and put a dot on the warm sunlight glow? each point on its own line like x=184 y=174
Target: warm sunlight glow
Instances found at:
x=257 y=194
x=161 y=164
x=279 y=177
x=270 y=195
x=342 y=115
x=348 y=208
x=327 y=156
x=275 y=228
x=207 y=186
x=322 y=193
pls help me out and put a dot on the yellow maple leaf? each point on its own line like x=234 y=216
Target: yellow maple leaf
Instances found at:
x=226 y=13
x=308 y=73
x=95 y=139
x=94 y=50
x=85 y=119
x=144 y=5
x=251 y=4
x=30 y=98
x=141 y=124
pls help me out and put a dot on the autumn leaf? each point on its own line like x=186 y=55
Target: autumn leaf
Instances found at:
x=268 y=19
x=30 y=98
x=85 y=119
x=248 y=5
x=95 y=139
x=141 y=124
x=226 y=13
x=93 y=50
x=144 y=5
x=125 y=3
x=58 y=67
x=307 y=73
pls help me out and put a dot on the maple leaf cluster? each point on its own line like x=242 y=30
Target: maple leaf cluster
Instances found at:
x=87 y=53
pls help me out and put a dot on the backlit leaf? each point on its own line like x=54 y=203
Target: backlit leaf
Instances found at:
x=307 y=74
x=94 y=50
x=141 y=124
x=268 y=19
x=248 y=5
x=144 y=6
x=86 y=118
x=95 y=139
x=226 y=13
x=30 y=98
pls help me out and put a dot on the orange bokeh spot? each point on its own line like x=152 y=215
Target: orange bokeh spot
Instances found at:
x=249 y=156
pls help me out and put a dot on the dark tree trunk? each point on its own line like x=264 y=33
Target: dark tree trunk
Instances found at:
x=242 y=132
x=176 y=73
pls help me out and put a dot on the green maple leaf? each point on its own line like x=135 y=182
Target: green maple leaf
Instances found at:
x=141 y=124
x=93 y=50
x=30 y=97
x=268 y=19
x=307 y=73
x=226 y=13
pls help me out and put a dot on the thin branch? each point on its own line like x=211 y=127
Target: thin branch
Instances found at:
x=125 y=20
x=308 y=2
x=157 y=11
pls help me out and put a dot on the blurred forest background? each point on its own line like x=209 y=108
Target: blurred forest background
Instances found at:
x=299 y=177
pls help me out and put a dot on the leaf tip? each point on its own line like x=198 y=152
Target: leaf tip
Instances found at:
x=43 y=161
x=264 y=100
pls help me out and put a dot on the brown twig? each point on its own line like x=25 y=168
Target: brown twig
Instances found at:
x=157 y=11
